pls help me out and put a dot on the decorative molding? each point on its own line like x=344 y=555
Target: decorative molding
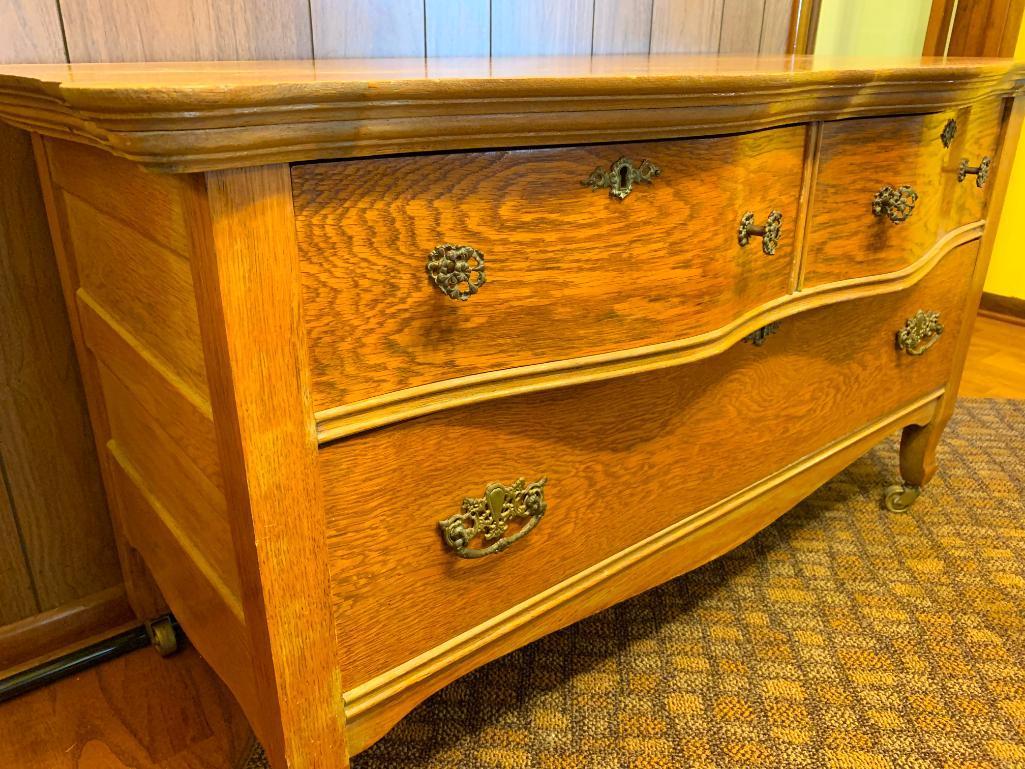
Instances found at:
x=342 y=421
x=373 y=707
x=1007 y=308
x=189 y=117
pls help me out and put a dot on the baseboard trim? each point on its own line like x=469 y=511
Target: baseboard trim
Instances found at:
x=54 y=632
x=1006 y=308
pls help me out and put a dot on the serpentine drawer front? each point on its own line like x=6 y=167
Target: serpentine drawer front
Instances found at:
x=570 y=270
x=399 y=365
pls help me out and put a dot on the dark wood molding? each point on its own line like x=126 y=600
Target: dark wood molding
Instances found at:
x=1008 y=308
x=973 y=27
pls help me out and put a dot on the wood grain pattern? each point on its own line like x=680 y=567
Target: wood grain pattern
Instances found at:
x=43 y=633
x=541 y=27
x=153 y=30
x=48 y=455
x=458 y=27
x=198 y=508
x=374 y=708
x=222 y=115
x=30 y=32
x=146 y=287
x=857 y=158
x=142 y=592
x=140 y=711
x=777 y=21
x=352 y=28
x=979 y=130
x=621 y=26
x=168 y=401
x=995 y=367
x=919 y=442
x=692 y=26
x=17 y=599
x=741 y=29
x=662 y=264
x=603 y=446
x=246 y=269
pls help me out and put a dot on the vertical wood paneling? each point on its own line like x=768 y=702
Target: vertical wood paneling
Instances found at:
x=458 y=27
x=541 y=27
x=741 y=29
x=776 y=19
x=30 y=32
x=17 y=600
x=170 y=30
x=50 y=461
x=622 y=26
x=349 y=28
x=686 y=26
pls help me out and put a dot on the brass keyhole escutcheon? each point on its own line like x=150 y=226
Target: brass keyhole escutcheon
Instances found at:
x=621 y=177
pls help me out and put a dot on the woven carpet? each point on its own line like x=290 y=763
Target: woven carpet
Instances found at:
x=842 y=636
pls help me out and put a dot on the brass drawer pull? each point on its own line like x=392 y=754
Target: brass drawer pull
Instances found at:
x=921 y=332
x=489 y=516
x=769 y=233
x=980 y=171
x=457 y=271
x=896 y=204
x=621 y=176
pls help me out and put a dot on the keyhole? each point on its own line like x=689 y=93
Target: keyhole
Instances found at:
x=624 y=176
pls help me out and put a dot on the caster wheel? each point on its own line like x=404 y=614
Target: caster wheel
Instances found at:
x=162 y=636
x=898 y=498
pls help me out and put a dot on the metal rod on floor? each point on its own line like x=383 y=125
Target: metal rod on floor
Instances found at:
x=68 y=664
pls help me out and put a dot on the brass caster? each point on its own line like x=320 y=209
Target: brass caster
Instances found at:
x=898 y=498
x=162 y=635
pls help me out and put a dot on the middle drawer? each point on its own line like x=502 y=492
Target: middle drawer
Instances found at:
x=570 y=270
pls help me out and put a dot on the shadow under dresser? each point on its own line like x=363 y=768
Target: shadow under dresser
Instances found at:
x=394 y=369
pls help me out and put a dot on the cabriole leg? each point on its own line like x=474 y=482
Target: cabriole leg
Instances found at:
x=917 y=464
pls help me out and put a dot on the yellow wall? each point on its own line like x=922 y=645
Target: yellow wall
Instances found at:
x=1007 y=266
x=872 y=27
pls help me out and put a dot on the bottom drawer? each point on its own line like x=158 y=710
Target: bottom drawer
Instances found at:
x=624 y=459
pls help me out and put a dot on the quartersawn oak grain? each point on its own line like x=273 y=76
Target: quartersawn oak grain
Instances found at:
x=570 y=271
x=644 y=444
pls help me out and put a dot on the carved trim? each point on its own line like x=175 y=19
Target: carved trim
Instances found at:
x=375 y=706
x=341 y=421
x=299 y=117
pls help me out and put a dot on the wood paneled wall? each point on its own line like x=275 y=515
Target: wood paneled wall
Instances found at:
x=58 y=563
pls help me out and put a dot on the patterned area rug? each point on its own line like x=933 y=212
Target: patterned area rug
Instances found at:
x=842 y=636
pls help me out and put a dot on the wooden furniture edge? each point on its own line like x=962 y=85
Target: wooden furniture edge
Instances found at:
x=142 y=592
x=245 y=265
x=374 y=707
x=1009 y=309
x=342 y=421
x=64 y=628
x=186 y=129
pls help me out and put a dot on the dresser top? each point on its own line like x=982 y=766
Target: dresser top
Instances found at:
x=187 y=116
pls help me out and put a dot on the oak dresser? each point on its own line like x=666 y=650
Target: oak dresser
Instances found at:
x=398 y=365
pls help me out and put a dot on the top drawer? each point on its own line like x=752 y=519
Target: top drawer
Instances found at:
x=919 y=162
x=570 y=271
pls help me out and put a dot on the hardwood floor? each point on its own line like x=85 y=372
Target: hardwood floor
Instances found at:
x=145 y=712
x=996 y=360
x=136 y=712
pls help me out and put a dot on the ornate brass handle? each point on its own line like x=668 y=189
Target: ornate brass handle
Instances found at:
x=488 y=518
x=920 y=332
x=896 y=204
x=621 y=176
x=948 y=133
x=980 y=171
x=457 y=271
x=769 y=233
